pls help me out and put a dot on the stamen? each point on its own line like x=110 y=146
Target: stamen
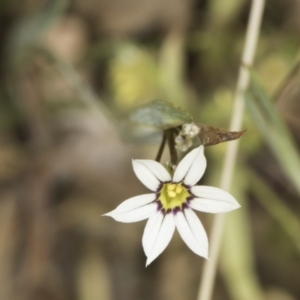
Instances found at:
x=171 y=187
x=172 y=194
x=178 y=189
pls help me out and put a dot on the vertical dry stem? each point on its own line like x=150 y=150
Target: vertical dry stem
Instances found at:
x=253 y=28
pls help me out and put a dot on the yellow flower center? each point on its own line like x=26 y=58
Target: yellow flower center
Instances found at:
x=173 y=195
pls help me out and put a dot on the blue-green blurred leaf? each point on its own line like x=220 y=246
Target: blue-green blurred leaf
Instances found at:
x=274 y=131
x=25 y=36
x=146 y=123
x=159 y=114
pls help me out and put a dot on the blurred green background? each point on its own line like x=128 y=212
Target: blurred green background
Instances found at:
x=70 y=71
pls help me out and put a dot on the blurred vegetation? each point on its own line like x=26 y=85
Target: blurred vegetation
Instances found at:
x=70 y=71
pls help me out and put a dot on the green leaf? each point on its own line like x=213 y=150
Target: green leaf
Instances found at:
x=274 y=131
x=159 y=114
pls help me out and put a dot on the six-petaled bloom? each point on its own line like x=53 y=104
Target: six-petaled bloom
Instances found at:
x=171 y=204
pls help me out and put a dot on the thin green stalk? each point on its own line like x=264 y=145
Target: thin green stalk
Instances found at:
x=274 y=133
x=171 y=143
x=253 y=29
x=161 y=147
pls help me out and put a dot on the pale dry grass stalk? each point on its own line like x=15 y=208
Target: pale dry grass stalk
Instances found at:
x=253 y=29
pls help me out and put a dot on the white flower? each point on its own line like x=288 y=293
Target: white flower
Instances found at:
x=171 y=204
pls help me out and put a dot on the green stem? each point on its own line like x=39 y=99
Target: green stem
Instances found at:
x=161 y=147
x=171 y=143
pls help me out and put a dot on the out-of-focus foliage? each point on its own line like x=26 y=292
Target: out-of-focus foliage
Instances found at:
x=69 y=73
x=274 y=132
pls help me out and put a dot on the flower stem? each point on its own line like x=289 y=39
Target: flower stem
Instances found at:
x=171 y=144
x=253 y=28
x=161 y=147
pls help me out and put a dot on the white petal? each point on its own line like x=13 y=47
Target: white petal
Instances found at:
x=151 y=231
x=212 y=200
x=198 y=231
x=135 y=202
x=163 y=237
x=135 y=215
x=158 y=170
x=150 y=173
x=192 y=232
x=191 y=167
